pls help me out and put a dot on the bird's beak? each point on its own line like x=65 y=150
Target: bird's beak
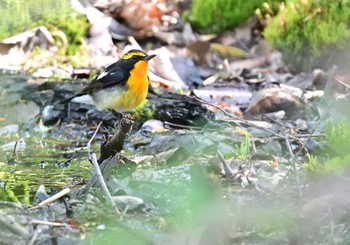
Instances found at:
x=148 y=57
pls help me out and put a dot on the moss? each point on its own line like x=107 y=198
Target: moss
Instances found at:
x=74 y=26
x=338 y=135
x=214 y=16
x=306 y=30
x=144 y=112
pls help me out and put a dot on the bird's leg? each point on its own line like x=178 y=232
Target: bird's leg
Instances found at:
x=118 y=116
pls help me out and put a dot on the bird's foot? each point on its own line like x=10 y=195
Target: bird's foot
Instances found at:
x=118 y=118
x=118 y=115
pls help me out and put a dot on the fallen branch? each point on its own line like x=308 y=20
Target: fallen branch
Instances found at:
x=98 y=174
x=13 y=226
x=108 y=160
x=93 y=160
x=115 y=144
x=49 y=223
x=228 y=170
x=51 y=199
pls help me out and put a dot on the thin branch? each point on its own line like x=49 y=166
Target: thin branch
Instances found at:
x=83 y=146
x=13 y=226
x=93 y=160
x=302 y=147
x=228 y=170
x=289 y=147
x=34 y=237
x=339 y=81
x=94 y=135
x=241 y=120
x=109 y=157
x=52 y=199
x=180 y=126
x=49 y=223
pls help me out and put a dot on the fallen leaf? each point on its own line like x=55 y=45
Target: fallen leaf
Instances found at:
x=229 y=50
x=279 y=98
x=163 y=68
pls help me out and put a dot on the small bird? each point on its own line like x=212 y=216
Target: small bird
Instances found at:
x=122 y=86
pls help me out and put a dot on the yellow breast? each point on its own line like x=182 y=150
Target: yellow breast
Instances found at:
x=137 y=86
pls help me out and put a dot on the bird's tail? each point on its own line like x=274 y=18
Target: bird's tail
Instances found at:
x=78 y=98
x=67 y=100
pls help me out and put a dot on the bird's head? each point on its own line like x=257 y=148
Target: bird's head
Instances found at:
x=136 y=55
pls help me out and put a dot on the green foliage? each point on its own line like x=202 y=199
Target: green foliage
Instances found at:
x=145 y=111
x=244 y=147
x=74 y=26
x=338 y=136
x=214 y=16
x=305 y=30
x=20 y=15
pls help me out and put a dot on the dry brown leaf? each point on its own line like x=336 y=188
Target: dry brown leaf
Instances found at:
x=162 y=66
x=276 y=99
x=14 y=50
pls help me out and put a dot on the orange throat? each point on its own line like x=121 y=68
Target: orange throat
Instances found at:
x=137 y=85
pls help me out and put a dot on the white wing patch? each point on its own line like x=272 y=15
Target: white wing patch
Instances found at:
x=102 y=75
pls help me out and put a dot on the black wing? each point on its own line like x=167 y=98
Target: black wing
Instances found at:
x=110 y=77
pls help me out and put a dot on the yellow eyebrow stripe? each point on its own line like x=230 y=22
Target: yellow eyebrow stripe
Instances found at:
x=129 y=55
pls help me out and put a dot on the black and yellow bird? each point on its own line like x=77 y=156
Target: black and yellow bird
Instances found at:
x=122 y=86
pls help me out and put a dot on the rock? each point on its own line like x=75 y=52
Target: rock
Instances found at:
x=12 y=128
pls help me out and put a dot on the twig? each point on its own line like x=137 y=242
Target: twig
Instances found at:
x=302 y=147
x=242 y=120
x=73 y=156
x=13 y=226
x=14 y=149
x=88 y=145
x=34 y=236
x=52 y=198
x=180 y=126
x=106 y=166
x=49 y=223
x=228 y=170
x=220 y=109
x=308 y=137
x=108 y=157
x=93 y=160
x=289 y=147
x=339 y=81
